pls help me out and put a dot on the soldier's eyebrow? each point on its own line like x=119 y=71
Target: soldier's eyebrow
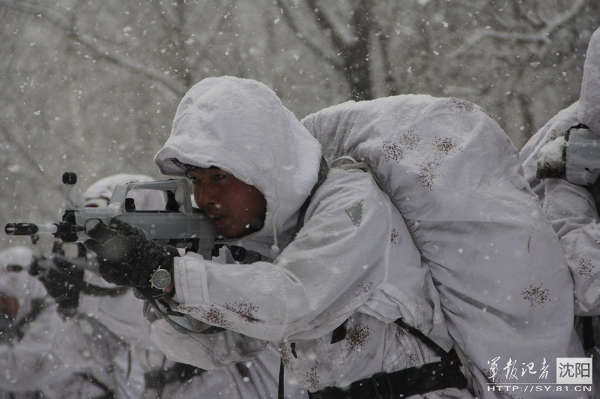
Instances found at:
x=196 y=179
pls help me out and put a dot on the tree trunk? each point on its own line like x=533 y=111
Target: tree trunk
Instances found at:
x=357 y=62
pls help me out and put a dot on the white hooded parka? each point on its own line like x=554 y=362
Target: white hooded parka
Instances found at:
x=571 y=208
x=353 y=259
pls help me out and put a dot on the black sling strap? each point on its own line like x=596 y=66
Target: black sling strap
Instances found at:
x=322 y=175
x=179 y=372
x=400 y=384
x=588 y=333
x=403 y=383
x=107 y=392
x=95 y=290
x=280 y=385
x=424 y=338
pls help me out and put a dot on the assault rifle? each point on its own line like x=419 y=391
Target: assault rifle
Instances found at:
x=179 y=225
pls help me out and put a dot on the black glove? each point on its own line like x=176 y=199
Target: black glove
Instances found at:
x=126 y=257
x=63 y=282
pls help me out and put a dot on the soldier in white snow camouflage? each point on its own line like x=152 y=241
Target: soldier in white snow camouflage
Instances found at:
x=572 y=207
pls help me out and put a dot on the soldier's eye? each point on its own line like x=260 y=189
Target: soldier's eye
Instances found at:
x=193 y=179
x=219 y=176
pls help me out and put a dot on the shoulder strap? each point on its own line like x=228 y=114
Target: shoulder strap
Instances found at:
x=323 y=171
x=107 y=392
x=95 y=290
x=424 y=338
x=178 y=372
x=588 y=333
x=340 y=333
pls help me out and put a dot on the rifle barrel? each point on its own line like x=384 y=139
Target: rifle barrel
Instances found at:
x=28 y=229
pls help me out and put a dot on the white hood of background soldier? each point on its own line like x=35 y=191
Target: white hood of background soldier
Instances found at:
x=19 y=284
x=123 y=315
x=52 y=348
x=25 y=364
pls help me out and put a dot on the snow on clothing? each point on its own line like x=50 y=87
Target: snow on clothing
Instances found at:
x=353 y=258
x=571 y=208
x=53 y=349
x=454 y=176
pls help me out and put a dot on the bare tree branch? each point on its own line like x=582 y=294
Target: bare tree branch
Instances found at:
x=517 y=7
x=326 y=24
x=167 y=13
x=542 y=35
x=312 y=46
x=207 y=43
x=92 y=43
x=25 y=155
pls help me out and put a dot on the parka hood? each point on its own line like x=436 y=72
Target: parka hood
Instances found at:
x=588 y=108
x=241 y=126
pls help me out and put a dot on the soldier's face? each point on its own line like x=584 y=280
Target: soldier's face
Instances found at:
x=235 y=207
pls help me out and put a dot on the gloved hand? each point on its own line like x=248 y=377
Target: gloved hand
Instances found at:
x=126 y=257
x=63 y=282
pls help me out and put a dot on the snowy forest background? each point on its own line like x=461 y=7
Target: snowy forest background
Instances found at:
x=91 y=86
